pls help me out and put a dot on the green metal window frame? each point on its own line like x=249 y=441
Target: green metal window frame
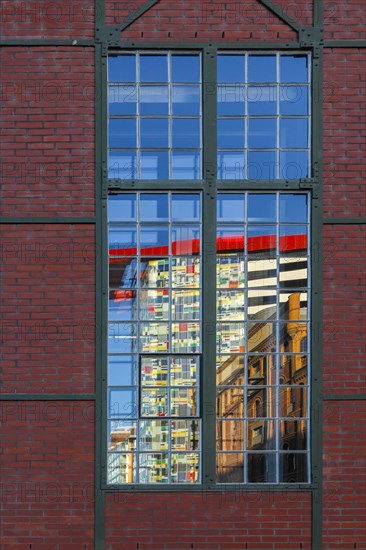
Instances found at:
x=209 y=187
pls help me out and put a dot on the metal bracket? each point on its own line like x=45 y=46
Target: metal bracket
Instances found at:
x=310 y=183
x=312 y=37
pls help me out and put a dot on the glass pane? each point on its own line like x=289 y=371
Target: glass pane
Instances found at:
x=154 y=207
x=185 y=207
x=261 y=435
x=185 y=337
x=230 y=468
x=154 y=132
x=293 y=435
x=293 y=468
x=294 y=164
x=122 y=337
x=122 y=165
x=230 y=435
x=186 y=100
x=293 y=68
x=186 y=272
x=122 y=207
x=262 y=272
x=153 y=68
x=262 y=68
x=122 y=239
x=230 y=68
x=293 y=208
x=293 y=133
x=153 y=468
x=154 y=100
x=154 y=435
x=262 y=239
x=261 y=208
x=185 y=239
x=185 y=435
x=185 y=305
x=230 y=270
x=230 y=305
x=261 y=468
x=230 y=370
x=184 y=371
x=230 y=133
x=293 y=369
x=230 y=100
x=186 y=68
x=261 y=402
x=230 y=166
x=122 y=68
x=122 y=272
x=293 y=401
x=184 y=468
x=293 y=240
x=230 y=338
x=294 y=100
x=154 y=402
x=262 y=165
x=122 y=100
x=122 y=305
x=230 y=402
x=262 y=133
x=154 y=305
x=122 y=370
x=262 y=304
x=230 y=238
x=293 y=306
x=183 y=402
x=122 y=133
x=262 y=370
x=186 y=165
x=290 y=336
x=262 y=100
x=293 y=269
x=154 y=337
x=186 y=133
x=121 y=468
x=154 y=273
x=121 y=436
x=154 y=240
x=122 y=403
x=259 y=334
x=154 y=371
x=230 y=207
x=154 y=165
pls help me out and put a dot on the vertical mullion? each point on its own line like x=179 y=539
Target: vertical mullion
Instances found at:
x=208 y=274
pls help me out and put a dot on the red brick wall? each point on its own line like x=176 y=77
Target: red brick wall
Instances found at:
x=47 y=475
x=224 y=520
x=48 y=330
x=344 y=132
x=344 y=472
x=73 y=19
x=47 y=131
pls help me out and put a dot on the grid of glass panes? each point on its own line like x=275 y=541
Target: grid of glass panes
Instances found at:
x=262 y=428
x=154 y=116
x=154 y=337
x=263 y=107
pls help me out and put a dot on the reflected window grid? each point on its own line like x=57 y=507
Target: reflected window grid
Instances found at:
x=257 y=164
x=129 y=463
x=278 y=327
x=168 y=169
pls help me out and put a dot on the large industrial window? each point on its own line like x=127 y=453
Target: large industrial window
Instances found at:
x=197 y=384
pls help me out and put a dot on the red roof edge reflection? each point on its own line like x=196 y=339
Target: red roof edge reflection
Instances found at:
x=233 y=243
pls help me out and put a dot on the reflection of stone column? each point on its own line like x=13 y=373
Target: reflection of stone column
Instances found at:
x=295 y=329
